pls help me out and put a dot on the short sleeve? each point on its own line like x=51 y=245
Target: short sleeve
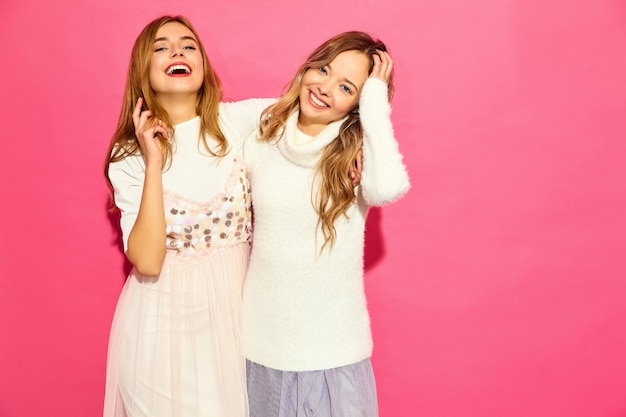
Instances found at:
x=127 y=177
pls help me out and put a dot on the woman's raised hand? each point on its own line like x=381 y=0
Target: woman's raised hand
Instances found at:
x=146 y=131
x=383 y=65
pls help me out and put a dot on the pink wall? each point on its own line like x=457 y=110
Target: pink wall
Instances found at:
x=497 y=286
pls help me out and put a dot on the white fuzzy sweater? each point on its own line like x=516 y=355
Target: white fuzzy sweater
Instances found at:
x=303 y=310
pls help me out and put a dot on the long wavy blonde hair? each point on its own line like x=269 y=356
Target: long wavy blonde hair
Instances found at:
x=123 y=142
x=336 y=192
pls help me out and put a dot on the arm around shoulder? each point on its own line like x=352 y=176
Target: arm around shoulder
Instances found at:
x=385 y=178
x=243 y=117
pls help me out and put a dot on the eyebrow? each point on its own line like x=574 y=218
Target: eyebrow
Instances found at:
x=346 y=80
x=184 y=38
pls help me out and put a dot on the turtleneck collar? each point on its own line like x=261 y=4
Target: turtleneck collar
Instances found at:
x=309 y=153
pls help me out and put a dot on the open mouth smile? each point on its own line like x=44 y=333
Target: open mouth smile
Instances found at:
x=178 y=69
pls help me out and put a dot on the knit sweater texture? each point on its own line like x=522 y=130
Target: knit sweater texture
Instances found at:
x=305 y=309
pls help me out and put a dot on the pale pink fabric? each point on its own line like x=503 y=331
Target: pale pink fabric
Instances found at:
x=175 y=347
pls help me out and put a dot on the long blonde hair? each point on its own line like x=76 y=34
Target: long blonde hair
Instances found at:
x=336 y=193
x=123 y=142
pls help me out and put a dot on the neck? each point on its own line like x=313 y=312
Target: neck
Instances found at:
x=179 y=108
x=311 y=129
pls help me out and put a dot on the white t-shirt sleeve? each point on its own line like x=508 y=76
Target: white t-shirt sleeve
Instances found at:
x=127 y=177
x=240 y=119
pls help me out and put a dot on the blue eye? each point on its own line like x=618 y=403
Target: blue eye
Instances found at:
x=162 y=48
x=346 y=89
x=323 y=70
x=190 y=47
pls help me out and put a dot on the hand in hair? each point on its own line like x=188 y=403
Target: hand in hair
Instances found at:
x=357 y=168
x=147 y=131
x=383 y=66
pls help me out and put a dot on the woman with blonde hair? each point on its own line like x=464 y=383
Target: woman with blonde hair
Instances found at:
x=175 y=346
x=305 y=321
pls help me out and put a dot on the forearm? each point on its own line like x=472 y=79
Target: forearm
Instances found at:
x=146 y=241
x=384 y=178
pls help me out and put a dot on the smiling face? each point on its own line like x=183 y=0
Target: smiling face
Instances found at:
x=176 y=66
x=329 y=93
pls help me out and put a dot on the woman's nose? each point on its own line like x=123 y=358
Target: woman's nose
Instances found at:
x=177 y=51
x=324 y=88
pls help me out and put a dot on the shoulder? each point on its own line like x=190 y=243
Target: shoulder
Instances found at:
x=251 y=107
x=129 y=169
x=240 y=119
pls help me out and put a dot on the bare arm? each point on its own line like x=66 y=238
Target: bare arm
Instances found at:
x=146 y=241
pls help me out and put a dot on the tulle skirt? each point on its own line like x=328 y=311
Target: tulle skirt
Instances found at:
x=175 y=345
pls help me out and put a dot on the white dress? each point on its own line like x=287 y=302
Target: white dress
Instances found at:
x=175 y=347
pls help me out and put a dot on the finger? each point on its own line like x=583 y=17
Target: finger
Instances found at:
x=142 y=124
x=148 y=134
x=384 y=60
x=377 y=59
x=138 y=105
x=388 y=57
x=358 y=162
x=357 y=168
x=159 y=129
x=356 y=177
x=384 y=67
x=149 y=139
x=376 y=69
x=388 y=63
x=140 y=117
x=150 y=127
x=143 y=119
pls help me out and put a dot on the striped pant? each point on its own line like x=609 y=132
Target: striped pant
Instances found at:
x=347 y=391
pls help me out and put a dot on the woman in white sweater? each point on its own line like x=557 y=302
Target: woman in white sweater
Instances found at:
x=306 y=327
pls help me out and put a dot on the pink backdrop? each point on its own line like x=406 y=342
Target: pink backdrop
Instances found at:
x=497 y=286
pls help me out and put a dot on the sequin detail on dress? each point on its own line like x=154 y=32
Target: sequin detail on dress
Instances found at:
x=193 y=227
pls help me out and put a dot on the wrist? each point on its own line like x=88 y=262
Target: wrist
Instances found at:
x=154 y=165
